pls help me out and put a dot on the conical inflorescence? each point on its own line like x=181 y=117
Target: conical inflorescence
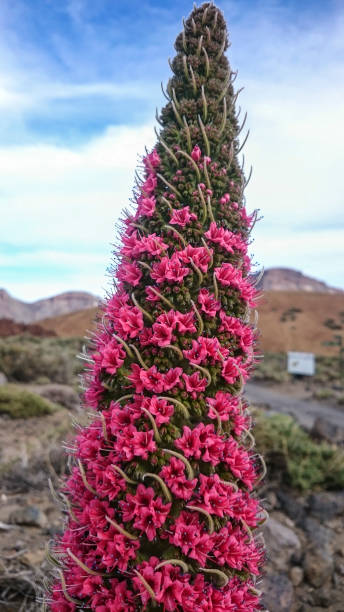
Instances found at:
x=161 y=504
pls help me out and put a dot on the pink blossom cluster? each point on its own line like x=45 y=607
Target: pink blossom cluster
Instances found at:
x=226 y=239
x=230 y=276
x=145 y=474
x=174 y=589
x=229 y=546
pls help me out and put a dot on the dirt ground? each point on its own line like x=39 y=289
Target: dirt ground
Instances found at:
x=30 y=453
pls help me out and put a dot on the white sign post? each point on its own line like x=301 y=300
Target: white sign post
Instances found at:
x=301 y=363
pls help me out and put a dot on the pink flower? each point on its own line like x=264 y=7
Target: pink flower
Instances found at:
x=185 y=322
x=230 y=324
x=112 y=357
x=172 y=378
x=196 y=153
x=153 y=245
x=162 y=335
x=168 y=318
x=135 y=378
x=231 y=370
x=160 y=269
x=152 y=379
x=146 y=206
x=132 y=246
x=151 y=296
x=214 y=233
x=132 y=443
x=171 y=588
x=225 y=405
x=152 y=160
x=176 y=272
x=129 y=321
x=160 y=408
x=227 y=275
x=240 y=463
x=152 y=577
x=129 y=273
x=189 y=443
x=149 y=185
x=182 y=216
x=115 y=550
x=146 y=336
x=199 y=255
x=174 y=476
x=197 y=354
x=209 y=304
x=194 y=384
x=148 y=513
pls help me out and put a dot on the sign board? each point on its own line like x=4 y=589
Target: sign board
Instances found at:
x=301 y=363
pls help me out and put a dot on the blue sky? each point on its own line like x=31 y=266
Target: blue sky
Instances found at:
x=79 y=84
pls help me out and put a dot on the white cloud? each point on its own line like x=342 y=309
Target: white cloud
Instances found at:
x=56 y=196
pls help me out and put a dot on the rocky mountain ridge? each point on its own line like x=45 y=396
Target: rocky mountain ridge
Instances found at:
x=286 y=279
x=26 y=312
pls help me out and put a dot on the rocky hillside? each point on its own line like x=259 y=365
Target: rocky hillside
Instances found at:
x=286 y=279
x=25 y=312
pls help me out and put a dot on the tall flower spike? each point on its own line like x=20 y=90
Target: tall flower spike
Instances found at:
x=160 y=491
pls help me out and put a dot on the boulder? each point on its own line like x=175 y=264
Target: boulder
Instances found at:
x=325 y=505
x=28 y=515
x=282 y=544
x=278 y=593
x=318 y=566
x=318 y=535
x=296 y=575
x=3 y=378
x=289 y=504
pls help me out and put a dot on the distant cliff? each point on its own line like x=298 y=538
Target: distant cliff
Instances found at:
x=286 y=279
x=64 y=303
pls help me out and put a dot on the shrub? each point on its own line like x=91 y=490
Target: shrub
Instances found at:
x=323 y=394
x=307 y=464
x=19 y=404
x=31 y=359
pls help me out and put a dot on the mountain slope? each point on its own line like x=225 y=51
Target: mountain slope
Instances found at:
x=286 y=279
x=24 y=312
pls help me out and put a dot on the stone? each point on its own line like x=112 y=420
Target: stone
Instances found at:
x=318 y=535
x=278 y=593
x=281 y=542
x=294 y=509
x=34 y=558
x=324 y=596
x=28 y=515
x=325 y=430
x=318 y=566
x=296 y=575
x=3 y=378
x=325 y=505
